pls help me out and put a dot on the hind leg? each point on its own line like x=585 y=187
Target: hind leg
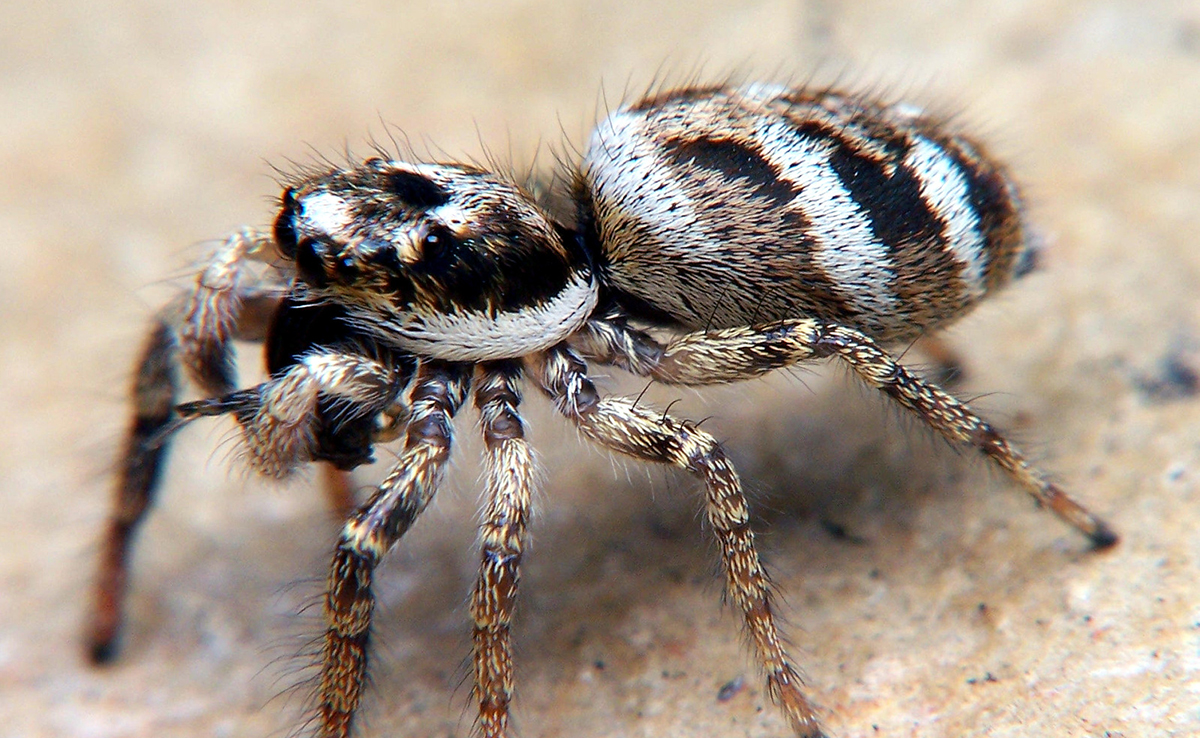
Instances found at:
x=734 y=354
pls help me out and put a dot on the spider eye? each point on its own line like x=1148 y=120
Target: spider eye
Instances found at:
x=285 y=228
x=437 y=245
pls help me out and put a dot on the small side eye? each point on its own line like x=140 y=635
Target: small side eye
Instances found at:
x=416 y=190
x=437 y=245
x=285 y=224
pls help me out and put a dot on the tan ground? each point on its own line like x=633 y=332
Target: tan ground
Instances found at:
x=132 y=132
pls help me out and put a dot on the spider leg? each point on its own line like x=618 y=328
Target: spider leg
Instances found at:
x=734 y=354
x=192 y=331
x=621 y=424
x=212 y=314
x=503 y=534
x=154 y=391
x=438 y=393
x=339 y=492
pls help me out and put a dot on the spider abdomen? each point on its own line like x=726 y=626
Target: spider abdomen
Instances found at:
x=725 y=206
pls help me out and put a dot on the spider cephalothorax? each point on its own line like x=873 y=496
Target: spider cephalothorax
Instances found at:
x=721 y=233
x=447 y=261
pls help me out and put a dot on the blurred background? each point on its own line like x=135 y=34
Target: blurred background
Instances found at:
x=925 y=596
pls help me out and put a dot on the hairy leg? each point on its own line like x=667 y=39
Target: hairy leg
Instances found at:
x=213 y=311
x=154 y=390
x=193 y=331
x=438 y=393
x=339 y=492
x=503 y=536
x=733 y=354
x=622 y=425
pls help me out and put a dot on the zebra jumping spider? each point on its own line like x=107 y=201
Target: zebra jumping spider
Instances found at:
x=720 y=233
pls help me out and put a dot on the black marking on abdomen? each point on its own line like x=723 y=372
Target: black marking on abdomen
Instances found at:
x=993 y=199
x=892 y=200
x=739 y=165
x=927 y=276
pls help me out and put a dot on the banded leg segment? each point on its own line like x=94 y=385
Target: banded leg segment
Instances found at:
x=622 y=425
x=503 y=535
x=438 y=393
x=956 y=422
x=703 y=357
x=734 y=354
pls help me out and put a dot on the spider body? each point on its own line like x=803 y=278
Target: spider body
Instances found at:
x=720 y=233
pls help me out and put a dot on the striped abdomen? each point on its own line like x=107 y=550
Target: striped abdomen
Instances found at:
x=723 y=207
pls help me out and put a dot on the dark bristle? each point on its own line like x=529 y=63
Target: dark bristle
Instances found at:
x=285 y=228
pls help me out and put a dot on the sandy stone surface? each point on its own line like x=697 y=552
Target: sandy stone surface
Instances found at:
x=133 y=134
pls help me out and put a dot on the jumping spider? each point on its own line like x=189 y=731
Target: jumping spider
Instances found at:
x=720 y=233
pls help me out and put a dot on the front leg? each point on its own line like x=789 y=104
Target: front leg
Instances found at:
x=734 y=354
x=227 y=303
x=503 y=536
x=438 y=393
x=621 y=424
x=191 y=333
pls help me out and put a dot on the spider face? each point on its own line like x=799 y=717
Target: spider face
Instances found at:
x=721 y=233
x=448 y=261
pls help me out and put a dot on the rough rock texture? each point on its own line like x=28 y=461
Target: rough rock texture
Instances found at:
x=132 y=132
